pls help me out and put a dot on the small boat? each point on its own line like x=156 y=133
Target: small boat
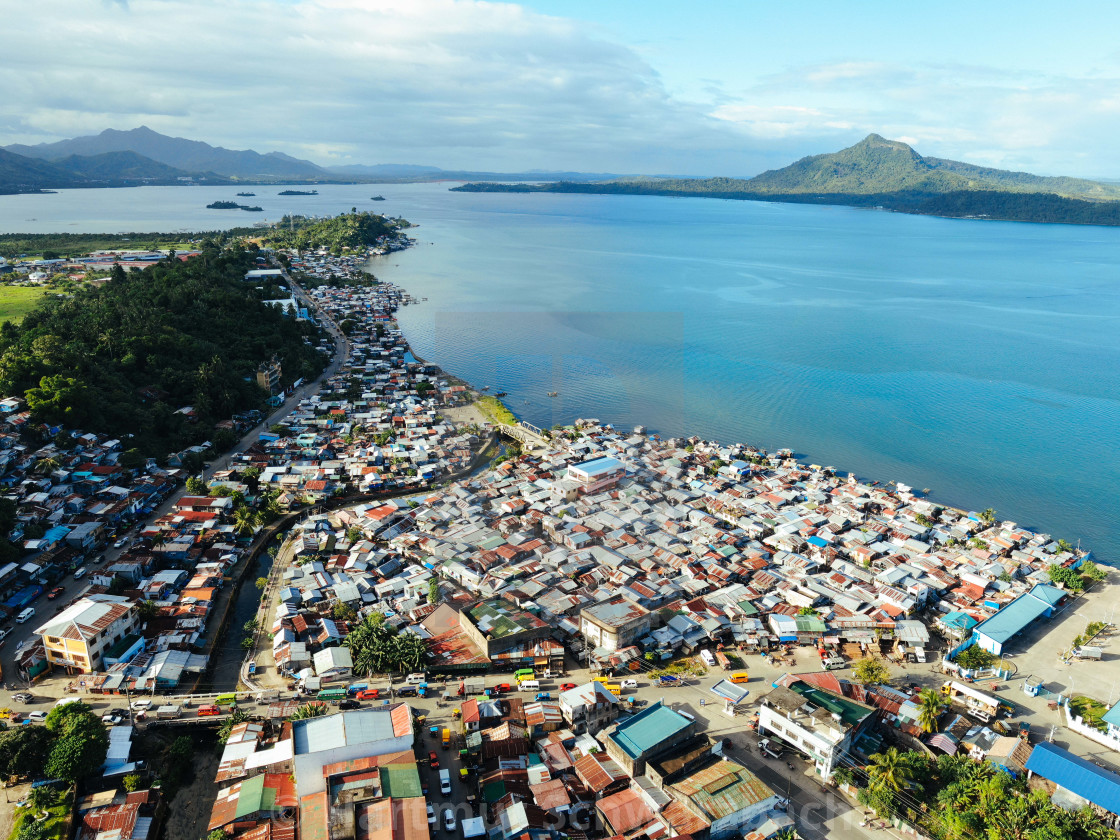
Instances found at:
x=485 y=387
x=500 y=394
x=554 y=393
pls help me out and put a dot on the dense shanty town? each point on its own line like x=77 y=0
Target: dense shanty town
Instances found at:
x=621 y=635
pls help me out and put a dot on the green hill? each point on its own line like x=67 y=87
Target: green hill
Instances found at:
x=877 y=172
x=117 y=166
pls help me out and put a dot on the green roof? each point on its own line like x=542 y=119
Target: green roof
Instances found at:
x=850 y=711
x=401 y=781
x=498 y=618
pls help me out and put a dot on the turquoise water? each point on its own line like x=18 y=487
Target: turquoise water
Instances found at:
x=978 y=359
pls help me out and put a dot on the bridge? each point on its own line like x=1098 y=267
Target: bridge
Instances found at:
x=525 y=433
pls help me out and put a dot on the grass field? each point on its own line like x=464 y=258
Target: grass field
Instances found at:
x=17 y=301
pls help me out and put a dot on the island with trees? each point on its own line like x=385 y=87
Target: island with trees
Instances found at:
x=233 y=205
x=881 y=174
x=298 y=192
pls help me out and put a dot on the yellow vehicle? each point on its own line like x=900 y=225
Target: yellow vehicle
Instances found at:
x=613 y=688
x=446 y=737
x=229 y=699
x=739 y=677
x=603 y=680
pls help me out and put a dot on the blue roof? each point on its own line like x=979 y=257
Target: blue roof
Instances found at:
x=599 y=465
x=959 y=620
x=1112 y=715
x=1017 y=615
x=817 y=541
x=1078 y=776
x=648 y=728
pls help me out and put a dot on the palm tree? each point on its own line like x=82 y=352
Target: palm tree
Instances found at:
x=45 y=466
x=39 y=799
x=1013 y=821
x=988 y=515
x=409 y=651
x=310 y=710
x=889 y=771
x=147 y=610
x=246 y=520
x=930 y=705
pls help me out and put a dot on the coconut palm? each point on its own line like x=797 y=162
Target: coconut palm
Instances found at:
x=931 y=704
x=45 y=466
x=246 y=520
x=309 y=710
x=889 y=771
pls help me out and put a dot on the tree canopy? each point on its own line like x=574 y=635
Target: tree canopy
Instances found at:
x=127 y=357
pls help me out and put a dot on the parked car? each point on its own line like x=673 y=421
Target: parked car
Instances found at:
x=54 y=593
x=449 y=823
x=433 y=760
x=567 y=686
x=543 y=695
x=112 y=718
x=38 y=716
x=22 y=697
x=629 y=683
x=141 y=705
x=349 y=704
x=503 y=688
x=367 y=694
x=431 y=815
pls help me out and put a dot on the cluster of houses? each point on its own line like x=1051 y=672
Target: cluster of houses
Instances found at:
x=522 y=773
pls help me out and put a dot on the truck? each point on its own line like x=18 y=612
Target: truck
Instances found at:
x=168 y=712
x=723 y=661
x=1088 y=652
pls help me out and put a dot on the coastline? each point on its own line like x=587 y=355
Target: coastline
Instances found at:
x=933 y=497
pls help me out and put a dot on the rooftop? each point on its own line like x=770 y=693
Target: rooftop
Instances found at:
x=353 y=727
x=1017 y=615
x=616 y=612
x=1077 y=775
x=498 y=618
x=648 y=728
x=722 y=788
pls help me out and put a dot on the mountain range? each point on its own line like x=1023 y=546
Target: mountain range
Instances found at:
x=886 y=174
x=141 y=155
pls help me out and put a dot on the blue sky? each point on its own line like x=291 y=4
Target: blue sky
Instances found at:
x=727 y=88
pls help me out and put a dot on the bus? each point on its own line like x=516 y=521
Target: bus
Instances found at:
x=524 y=674
x=613 y=688
x=603 y=680
x=331 y=694
x=229 y=699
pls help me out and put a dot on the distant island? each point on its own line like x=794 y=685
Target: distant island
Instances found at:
x=233 y=205
x=378 y=198
x=883 y=174
x=247 y=195
x=298 y=192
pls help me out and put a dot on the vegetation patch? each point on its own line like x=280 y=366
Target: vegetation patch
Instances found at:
x=1090 y=711
x=496 y=410
x=17 y=301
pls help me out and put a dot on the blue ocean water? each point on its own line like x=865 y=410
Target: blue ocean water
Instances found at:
x=977 y=359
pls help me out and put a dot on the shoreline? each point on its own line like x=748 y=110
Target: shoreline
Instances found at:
x=932 y=497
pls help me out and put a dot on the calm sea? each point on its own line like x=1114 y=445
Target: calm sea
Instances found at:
x=980 y=360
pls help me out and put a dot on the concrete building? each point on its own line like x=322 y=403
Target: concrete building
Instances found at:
x=596 y=475
x=648 y=735
x=996 y=631
x=614 y=624
x=817 y=722
x=77 y=638
x=588 y=708
x=498 y=625
x=323 y=741
x=268 y=375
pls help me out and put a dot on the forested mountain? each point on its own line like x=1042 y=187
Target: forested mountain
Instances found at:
x=116 y=166
x=126 y=357
x=882 y=173
x=178 y=152
x=19 y=173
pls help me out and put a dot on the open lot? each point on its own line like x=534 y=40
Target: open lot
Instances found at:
x=17 y=301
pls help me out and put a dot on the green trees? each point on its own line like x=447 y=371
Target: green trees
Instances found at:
x=889 y=771
x=246 y=520
x=1065 y=576
x=343 y=612
x=23 y=750
x=930 y=705
x=376 y=647
x=975 y=657
x=80 y=746
x=348 y=230
x=988 y=515
x=196 y=486
x=310 y=710
x=870 y=672
x=125 y=357
x=433 y=591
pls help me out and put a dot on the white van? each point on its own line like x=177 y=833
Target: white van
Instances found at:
x=445 y=782
x=25 y=615
x=416 y=679
x=709 y=660
x=529 y=685
x=834 y=663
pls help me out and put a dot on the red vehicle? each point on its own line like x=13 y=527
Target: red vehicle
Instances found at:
x=567 y=686
x=208 y=711
x=503 y=688
x=54 y=593
x=366 y=694
x=433 y=761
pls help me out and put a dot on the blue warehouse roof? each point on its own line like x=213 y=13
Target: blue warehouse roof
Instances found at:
x=1078 y=776
x=1018 y=615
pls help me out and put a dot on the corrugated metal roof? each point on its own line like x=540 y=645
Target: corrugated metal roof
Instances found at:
x=723 y=788
x=648 y=728
x=1078 y=776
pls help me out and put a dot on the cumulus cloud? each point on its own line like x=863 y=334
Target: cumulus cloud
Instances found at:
x=492 y=85
x=452 y=82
